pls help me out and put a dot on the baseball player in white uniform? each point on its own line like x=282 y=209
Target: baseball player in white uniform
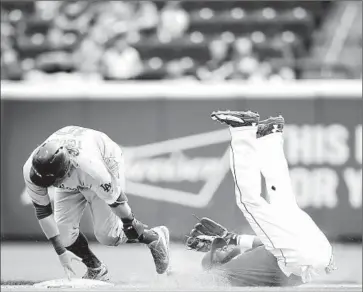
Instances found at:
x=86 y=168
x=288 y=248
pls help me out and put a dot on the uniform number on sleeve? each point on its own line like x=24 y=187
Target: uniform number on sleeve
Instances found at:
x=74 y=130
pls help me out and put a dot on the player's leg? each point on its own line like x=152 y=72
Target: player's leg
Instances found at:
x=274 y=168
x=268 y=222
x=273 y=164
x=157 y=239
x=108 y=228
x=275 y=226
x=68 y=211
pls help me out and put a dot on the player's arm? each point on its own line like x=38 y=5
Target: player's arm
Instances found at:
x=44 y=213
x=47 y=223
x=43 y=209
x=204 y=232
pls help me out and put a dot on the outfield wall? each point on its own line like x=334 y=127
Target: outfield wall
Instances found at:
x=177 y=157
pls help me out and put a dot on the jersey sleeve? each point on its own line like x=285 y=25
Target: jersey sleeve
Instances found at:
x=38 y=195
x=99 y=180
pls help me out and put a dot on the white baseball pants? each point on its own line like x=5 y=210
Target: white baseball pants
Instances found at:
x=286 y=231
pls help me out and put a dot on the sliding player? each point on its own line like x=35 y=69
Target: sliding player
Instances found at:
x=289 y=248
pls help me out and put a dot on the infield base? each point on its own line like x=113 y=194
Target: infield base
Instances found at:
x=73 y=283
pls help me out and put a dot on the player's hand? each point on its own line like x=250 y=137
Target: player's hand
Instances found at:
x=66 y=259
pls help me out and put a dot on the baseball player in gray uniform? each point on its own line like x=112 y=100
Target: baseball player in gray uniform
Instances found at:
x=86 y=168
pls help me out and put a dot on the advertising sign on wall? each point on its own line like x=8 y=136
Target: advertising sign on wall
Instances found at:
x=177 y=158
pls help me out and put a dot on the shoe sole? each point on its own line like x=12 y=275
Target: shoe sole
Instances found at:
x=167 y=236
x=225 y=116
x=163 y=232
x=273 y=121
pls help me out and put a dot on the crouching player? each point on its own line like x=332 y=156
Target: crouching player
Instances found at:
x=86 y=168
x=288 y=249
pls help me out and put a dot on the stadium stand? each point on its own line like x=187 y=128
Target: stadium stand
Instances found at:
x=202 y=40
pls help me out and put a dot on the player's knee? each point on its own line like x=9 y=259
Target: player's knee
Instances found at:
x=109 y=233
x=103 y=238
x=107 y=239
x=68 y=234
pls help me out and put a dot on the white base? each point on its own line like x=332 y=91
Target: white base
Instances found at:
x=73 y=283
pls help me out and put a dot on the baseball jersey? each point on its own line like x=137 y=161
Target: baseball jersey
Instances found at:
x=96 y=165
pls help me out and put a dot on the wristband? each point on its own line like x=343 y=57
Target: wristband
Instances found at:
x=245 y=241
x=43 y=211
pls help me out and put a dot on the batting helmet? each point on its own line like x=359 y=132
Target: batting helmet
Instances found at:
x=50 y=163
x=218 y=256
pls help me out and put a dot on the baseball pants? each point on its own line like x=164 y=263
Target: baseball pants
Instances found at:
x=287 y=232
x=69 y=206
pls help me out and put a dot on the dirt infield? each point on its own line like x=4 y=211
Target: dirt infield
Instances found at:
x=131 y=268
x=315 y=288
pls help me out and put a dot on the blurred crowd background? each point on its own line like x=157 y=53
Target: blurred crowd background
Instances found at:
x=201 y=40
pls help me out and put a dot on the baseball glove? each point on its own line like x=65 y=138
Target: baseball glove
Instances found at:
x=205 y=231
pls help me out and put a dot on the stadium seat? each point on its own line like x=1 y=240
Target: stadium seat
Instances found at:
x=278 y=30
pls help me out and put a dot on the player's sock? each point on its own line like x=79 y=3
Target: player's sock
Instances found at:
x=134 y=229
x=80 y=248
x=148 y=236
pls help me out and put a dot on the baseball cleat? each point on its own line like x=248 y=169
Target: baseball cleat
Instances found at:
x=236 y=118
x=100 y=273
x=160 y=249
x=270 y=125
